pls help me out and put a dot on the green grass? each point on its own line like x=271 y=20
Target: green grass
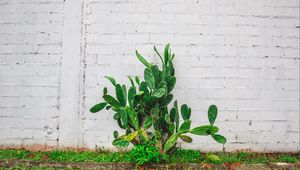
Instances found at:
x=255 y=158
x=64 y=156
x=179 y=156
x=185 y=156
x=288 y=159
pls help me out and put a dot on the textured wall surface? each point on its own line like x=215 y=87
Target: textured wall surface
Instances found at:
x=30 y=54
x=241 y=55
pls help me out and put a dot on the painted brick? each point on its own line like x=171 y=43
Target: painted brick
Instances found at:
x=29 y=81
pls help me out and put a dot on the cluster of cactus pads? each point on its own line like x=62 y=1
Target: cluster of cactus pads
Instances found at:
x=143 y=110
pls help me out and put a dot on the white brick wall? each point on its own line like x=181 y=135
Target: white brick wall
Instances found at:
x=241 y=55
x=30 y=54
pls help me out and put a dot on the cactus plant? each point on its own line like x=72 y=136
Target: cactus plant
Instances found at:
x=145 y=104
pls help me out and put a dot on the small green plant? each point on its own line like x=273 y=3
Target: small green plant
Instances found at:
x=212 y=158
x=145 y=154
x=145 y=104
x=288 y=159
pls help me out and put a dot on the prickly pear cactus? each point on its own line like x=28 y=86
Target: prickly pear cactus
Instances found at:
x=145 y=104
